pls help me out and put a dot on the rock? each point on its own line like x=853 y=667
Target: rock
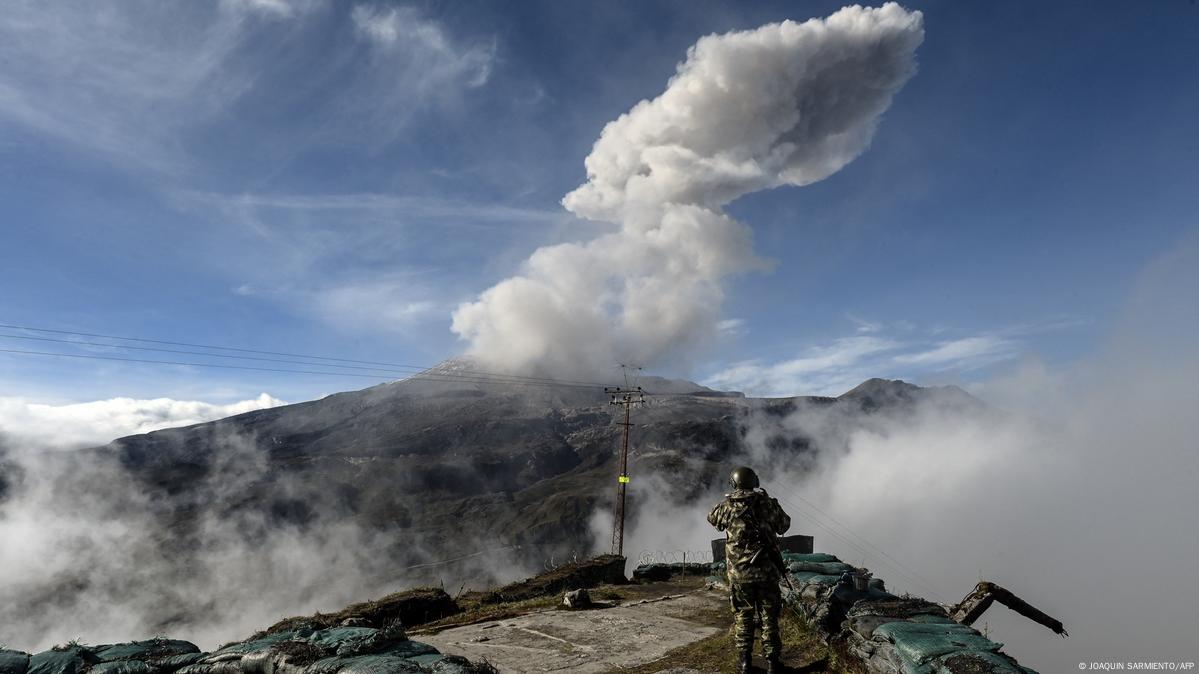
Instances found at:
x=577 y=599
x=582 y=574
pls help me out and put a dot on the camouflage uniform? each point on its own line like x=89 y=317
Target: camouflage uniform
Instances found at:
x=747 y=516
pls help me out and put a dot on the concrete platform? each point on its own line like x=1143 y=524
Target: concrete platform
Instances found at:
x=586 y=641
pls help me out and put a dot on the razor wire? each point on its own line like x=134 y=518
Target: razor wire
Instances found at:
x=647 y=557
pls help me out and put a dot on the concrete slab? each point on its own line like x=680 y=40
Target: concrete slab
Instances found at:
x=585 y=641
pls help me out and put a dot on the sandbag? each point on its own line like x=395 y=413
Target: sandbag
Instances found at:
x=410 y=649
x=174 y=662
x=814 y=577
x=921 y=642
x=812 y=557
x=448 y=664
x=70 y=660
x=978 y=661
x=234 y=652
x=827 y=568
x=365 y=664
x=144 y=650
x=221 y=667
x=931 y=619
x=865 y=625
x=123 y=667
x=13 y=662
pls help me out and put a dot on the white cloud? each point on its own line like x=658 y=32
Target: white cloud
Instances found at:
x=364 y=260
x=731 y=326
x=379 y=304
x=846 y=362
x=827 y=370
x=38 y=425
x=119 y=79
x=864 y=326
x=964 y=354
x=428 y=57
x=137 y=82
x=785 y=104
x=276 y=8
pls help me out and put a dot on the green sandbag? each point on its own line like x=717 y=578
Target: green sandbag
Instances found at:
x=827 y=568
x=365 y=664
x=410 y=649
x=13 y=662
x=123 y=667
x=173 y=662
x=450 y=664
x=224 y=667
x=262 y=644
x=813 y=577
x=69 y=661
x=145 y=650
x=811 y=557
x=932 y=620
x=339 y=636
x=921 y=642
x=977 y=661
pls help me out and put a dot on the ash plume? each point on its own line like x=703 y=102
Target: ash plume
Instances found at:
x=785 y=104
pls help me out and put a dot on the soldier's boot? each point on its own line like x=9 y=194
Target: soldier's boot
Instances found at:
x=745 y=662
x=774 y=665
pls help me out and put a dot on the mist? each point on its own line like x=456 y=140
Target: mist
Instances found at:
x=1074 y=488
x=93 y=553
x=784 y=104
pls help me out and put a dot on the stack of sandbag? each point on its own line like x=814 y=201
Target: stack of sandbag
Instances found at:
x=910 y=635
x=304 y=650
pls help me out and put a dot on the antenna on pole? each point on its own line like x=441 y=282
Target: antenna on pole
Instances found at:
x=626 y=396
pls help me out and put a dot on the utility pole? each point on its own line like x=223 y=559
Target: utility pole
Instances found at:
x=627 y=396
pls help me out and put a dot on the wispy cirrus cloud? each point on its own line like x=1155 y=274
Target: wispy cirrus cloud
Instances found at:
x=818 y=370
x=121 y=80
x=367 y=260
x=143 y=84
x=965 y=353
x=910 y=353
x=431 y=57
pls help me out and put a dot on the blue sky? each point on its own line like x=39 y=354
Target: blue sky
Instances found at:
x=336 y=178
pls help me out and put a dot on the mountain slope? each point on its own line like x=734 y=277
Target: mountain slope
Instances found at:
x=441 y=461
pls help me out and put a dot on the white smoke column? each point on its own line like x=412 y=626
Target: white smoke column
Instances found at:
x=786 y=104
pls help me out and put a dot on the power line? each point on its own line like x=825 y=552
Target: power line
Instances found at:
x=860 y=537
x=465 y=373
x=75 y=342
x=276 y=353
x=915 y=580
x=414 y=376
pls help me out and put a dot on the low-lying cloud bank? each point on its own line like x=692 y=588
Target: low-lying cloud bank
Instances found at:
x=785 y=104
x=1077 y=490
x=90 y=424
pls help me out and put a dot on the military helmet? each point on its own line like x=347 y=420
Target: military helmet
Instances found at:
x=744 y=477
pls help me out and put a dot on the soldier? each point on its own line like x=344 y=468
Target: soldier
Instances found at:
x=752 y=520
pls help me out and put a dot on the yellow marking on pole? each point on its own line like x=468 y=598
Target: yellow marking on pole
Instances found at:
x=624 y=479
